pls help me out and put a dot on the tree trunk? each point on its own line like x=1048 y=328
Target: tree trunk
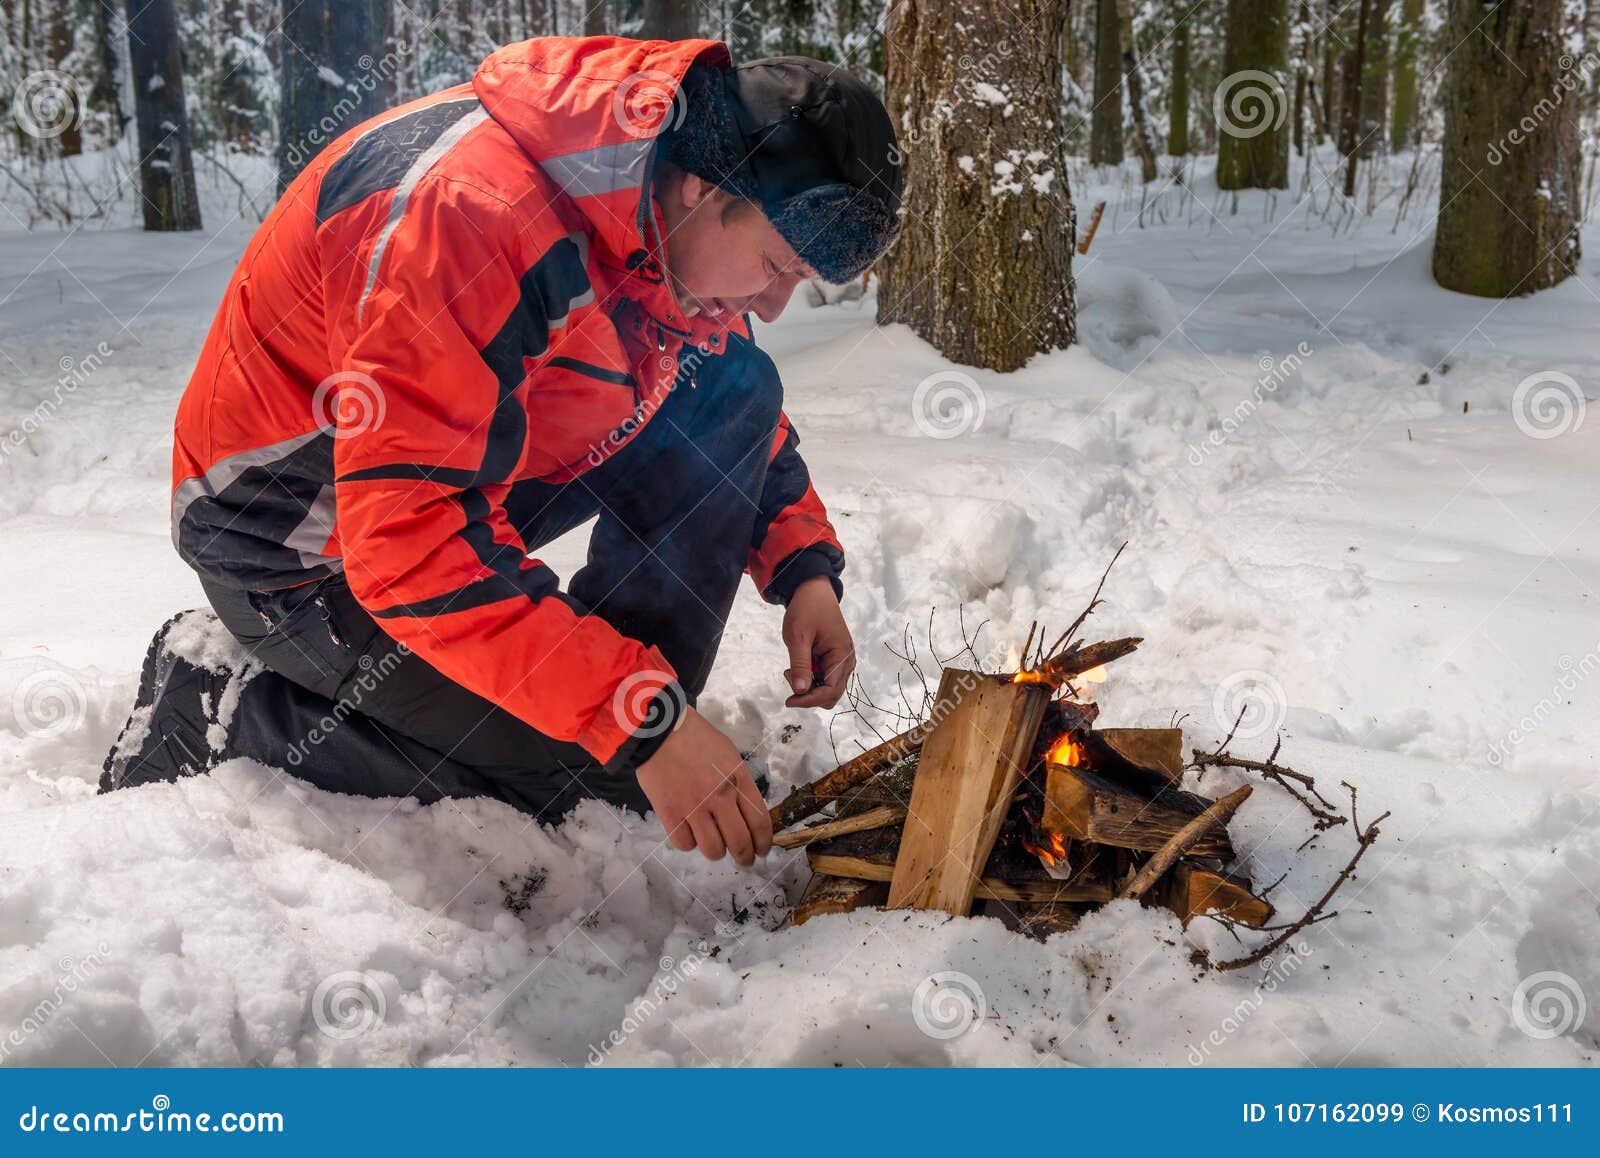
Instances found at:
x=1375 y=81
x=1252 y=102
x=166 y=167
x=669 y=20
x=1510 y=187
x=984 y=268
x=1144 y=141
x=594 y=18
x=105 y=93
x=1332 y=79
x=329 y=84
x=1178 y=119
x=1408 y=37
x=1355 y=72
x=1105 y=122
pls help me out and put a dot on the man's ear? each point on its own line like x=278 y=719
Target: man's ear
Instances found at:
x=694 y=189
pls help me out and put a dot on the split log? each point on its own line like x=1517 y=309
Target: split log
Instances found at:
x=1191 y=890
x=1214 y=818
x=971 y=765
x=1158 y=750
x=1086 y=805
x=879 y=817
x=1010 y=874
x=837 y=895
x=812 y=798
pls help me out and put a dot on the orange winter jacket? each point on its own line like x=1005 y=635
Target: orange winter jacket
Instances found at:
x=462 y=293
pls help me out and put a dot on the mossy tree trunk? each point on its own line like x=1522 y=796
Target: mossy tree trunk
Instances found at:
x=1253 y=99
x=1407 y=43
x=1105 y=120
x=1375 y=82
x=983 y=270
x=1178 y=114
x=1510 y=189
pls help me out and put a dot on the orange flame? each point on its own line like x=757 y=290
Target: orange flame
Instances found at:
x=1065 y=751
x=1053 y=853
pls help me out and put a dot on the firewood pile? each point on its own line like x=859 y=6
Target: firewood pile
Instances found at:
x=1007 y=795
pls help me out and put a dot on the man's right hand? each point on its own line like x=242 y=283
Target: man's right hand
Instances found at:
x=704 y=795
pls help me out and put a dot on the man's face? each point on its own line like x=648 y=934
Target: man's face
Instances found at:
x=723 y=255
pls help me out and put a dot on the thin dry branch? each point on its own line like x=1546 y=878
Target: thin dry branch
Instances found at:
x=1216 y=815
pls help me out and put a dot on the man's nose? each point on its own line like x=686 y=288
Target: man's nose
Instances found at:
x=770 y=305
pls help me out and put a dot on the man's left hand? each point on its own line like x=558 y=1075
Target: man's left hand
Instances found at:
x=819 y=645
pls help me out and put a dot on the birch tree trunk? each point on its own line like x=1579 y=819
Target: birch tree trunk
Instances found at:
x=1510 y=188
x=983 y=270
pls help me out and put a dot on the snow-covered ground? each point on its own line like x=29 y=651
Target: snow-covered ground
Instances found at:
x=1362 y=506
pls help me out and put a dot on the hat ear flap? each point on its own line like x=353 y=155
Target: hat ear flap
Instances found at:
x=838 y=230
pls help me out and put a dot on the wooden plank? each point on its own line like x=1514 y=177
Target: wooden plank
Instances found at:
x=985 y=888
x=1085 y=805
x=1192 y=890
x=1010 y=874
x=827 y=894
x=971 y=764
x=1152 y=749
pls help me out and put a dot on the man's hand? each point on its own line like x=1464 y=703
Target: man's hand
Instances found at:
x=818 y=642
x=704 y=795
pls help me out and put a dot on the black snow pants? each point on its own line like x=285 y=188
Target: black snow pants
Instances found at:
x=334 y=700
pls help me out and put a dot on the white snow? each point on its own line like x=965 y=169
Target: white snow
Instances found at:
x=1334 y=516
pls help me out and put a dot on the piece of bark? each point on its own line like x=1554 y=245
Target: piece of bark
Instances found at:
x=1086 y=805
x=1158 y=750
x=971 y=765
x=880 y=817
x=1214 y=819
x=1191 y=890
x=1011 y=874
x=827 y=894
x=814 y=797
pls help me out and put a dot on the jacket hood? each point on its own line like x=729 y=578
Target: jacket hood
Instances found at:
x=589 y=111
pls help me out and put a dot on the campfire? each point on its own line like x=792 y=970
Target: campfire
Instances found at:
x=1007 y=794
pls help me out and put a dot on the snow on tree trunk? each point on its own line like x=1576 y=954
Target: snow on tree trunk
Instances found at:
x=1510 y=187
x=1252 y=102
x=330 y=82
x=1178 y=110
x=1105 y=122
x=1144 y=141
x=984 y=268
x=166 y=167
